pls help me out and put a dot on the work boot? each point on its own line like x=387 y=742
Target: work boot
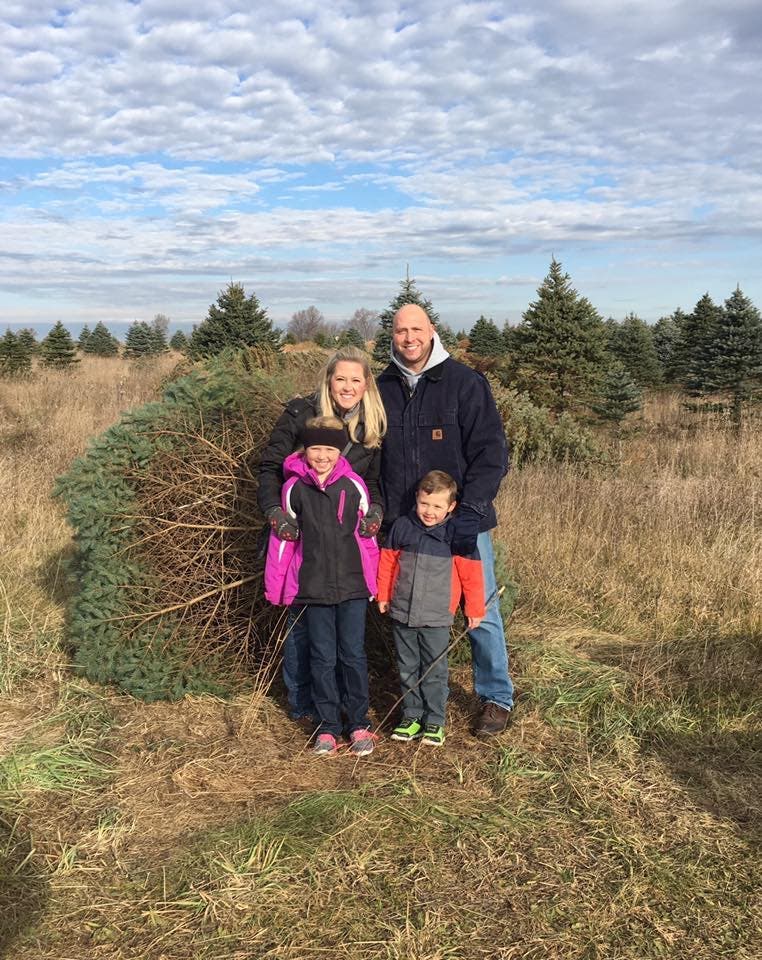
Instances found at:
x=492 y=719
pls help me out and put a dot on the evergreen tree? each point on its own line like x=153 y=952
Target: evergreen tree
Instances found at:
x=632 y=343
x=619 y=394
x=179 y=341
x=697 y=332
x=140 y=340
x=485 y=338
x=409 y=293
x=159 y=336
x=84 y=337
x=28 y=341
x=58 y=349
x=560 y=346
x=448 y=338
x=101 y=343
x=666 y=333
x=15 y=361
x=735 y=365
x=234 y=321
x=350 y=338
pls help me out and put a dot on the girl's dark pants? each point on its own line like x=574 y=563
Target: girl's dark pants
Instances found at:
x=337 y=636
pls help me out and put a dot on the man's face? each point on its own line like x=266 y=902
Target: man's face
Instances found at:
x=432 y=508
x=412 y=332
x=322 y=459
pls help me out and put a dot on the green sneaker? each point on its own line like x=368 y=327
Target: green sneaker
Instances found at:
x=433 y=735
x=410 y=728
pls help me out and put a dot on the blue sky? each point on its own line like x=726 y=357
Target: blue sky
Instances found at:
x=153 y=150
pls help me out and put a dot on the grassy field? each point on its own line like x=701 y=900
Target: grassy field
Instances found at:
x=620 y=817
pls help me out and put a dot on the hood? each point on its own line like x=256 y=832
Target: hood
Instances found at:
x=438 y=355
x=296 y=466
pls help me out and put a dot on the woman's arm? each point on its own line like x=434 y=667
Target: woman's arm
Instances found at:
x=283 y=441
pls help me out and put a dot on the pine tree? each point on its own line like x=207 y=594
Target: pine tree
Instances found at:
x=409 y=293
x=101 y=343
x=140 y=340
x=735 y=364
x=619 y=394
x=485 y=338
x=58 y=349
x=15 y=361
x=695 y=345
x=179 y=341
x=632 y=343
x=28 y=341
x=234 y=321
x=446 y=335
x=84 y=337
x=666 y=333
x=159 y=336
x=560 y=346
x=350 y=338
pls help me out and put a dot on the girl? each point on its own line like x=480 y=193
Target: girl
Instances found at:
x=327 y=566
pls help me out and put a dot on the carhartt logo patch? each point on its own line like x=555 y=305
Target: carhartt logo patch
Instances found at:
x=436 y=434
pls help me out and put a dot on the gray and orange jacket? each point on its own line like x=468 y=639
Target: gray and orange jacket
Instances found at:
x=421 y=580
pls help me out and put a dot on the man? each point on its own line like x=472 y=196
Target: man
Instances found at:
x=442 y=416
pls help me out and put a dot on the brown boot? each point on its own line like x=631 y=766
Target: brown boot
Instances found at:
x=492 y=719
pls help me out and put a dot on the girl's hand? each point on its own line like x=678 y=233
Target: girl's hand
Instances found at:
x=473 y=622
x=383 y=606
x=283 y=525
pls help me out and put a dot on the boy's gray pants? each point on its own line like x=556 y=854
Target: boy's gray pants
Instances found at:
x=417 y=649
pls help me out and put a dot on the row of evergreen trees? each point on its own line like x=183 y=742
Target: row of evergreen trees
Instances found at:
x=567 y=358
x=58 y=348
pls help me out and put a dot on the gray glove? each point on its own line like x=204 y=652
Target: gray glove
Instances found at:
x=370 y=524
x=282 y=524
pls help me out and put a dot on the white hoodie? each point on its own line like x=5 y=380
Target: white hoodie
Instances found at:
x=437 y=355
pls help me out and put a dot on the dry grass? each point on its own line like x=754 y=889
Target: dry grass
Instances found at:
x=620 y=818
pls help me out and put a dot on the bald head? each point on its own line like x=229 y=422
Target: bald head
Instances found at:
x=412 y=336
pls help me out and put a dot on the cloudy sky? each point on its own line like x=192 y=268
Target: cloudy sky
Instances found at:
x=153 y=150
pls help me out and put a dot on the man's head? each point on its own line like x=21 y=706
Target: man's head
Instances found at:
x=412 y=334
x=435 y=497
x=324 y=438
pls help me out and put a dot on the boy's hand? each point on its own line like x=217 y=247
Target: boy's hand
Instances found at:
x=383 y=606
x=283 y=525
x=473 y=622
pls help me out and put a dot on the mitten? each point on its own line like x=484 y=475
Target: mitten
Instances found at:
x=370 y=524
x=465 y=530
x=282 y=524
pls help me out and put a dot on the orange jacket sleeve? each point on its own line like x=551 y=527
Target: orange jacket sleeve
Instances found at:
x=388 y=570
x=471 y=577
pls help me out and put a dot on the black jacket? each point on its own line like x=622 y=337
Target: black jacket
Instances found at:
x=284 y=440
x=450 y=422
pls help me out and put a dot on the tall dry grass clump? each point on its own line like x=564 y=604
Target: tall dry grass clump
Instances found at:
x=47 y=420
x=663 y=547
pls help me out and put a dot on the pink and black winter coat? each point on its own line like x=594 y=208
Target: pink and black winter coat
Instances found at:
x=330 y=562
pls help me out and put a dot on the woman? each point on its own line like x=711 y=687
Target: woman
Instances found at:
x=346 y=389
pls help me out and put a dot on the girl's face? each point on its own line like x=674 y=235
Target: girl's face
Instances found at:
x=347 y=384
x=322 y=459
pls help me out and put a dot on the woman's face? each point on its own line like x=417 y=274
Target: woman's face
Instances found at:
x=347 y=384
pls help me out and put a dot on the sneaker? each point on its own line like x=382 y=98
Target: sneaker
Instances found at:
x=433 y=734
x=325 y=745
x=362 y=742
x=492 y=719
x=409 y=728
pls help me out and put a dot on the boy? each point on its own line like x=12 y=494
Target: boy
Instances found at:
x=329 y=568
x=420 y=583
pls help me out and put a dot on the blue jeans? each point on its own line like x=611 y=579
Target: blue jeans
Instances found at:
x=296 y=664
x=337 y=637
x=489 y=655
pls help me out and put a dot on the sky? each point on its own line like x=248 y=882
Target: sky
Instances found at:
x=151 y=151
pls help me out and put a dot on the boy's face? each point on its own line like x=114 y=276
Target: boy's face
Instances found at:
x=322 y=459
x=432 y=508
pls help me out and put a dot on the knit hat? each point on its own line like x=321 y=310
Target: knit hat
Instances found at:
x=323 y=437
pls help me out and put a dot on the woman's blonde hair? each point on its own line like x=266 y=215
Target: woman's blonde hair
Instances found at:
x=370 y=410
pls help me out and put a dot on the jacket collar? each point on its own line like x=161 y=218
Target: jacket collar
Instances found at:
x=441 y=531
